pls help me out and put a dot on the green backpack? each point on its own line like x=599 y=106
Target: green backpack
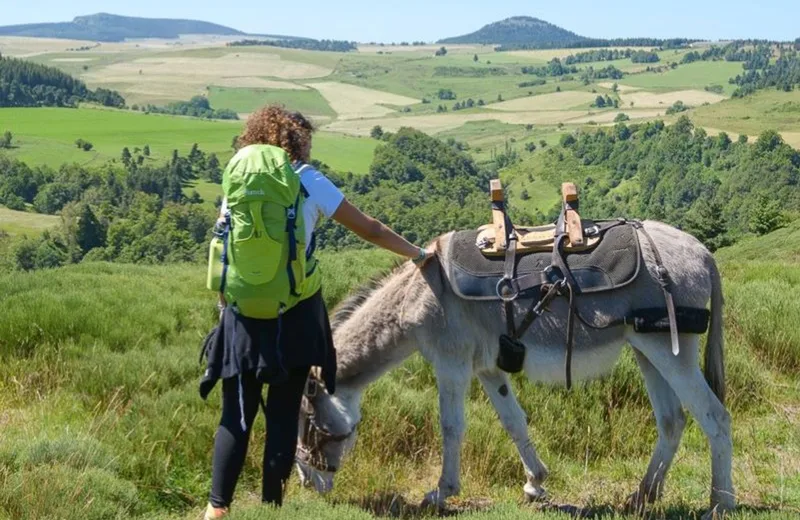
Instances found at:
x=258 y=258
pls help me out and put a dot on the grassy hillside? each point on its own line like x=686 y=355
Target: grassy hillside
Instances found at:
x=47 y=136
x=100 y=415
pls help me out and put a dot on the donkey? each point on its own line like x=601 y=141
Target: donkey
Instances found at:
x=415 y=309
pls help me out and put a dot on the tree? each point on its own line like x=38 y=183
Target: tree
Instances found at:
x=524 y=194
x=742 y=139
x=79 y=143
x=87 y=146
x=442 y=51
x=89 y=232
x=765 y=216
x=499 y=97
x=376 y=132
x=558 y=88
x=146 y=150
x=5 y=142
x=621 y=117
x=530 y=147
x=475 y=58
x=614 y=87
x=542 y=143
x=600 y=102
x=126 y=156
x=235 y=143
x=213 y=168
x=706 y=222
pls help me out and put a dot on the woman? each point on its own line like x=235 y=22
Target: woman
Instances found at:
x=304 y=329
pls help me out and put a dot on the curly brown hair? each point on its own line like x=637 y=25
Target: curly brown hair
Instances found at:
x=277 y=126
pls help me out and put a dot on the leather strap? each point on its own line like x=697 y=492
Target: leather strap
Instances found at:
x=666 y=286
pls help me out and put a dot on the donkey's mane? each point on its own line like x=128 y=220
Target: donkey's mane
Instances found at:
x=354 y=301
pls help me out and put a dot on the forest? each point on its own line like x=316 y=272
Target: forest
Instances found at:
x=27 y=84
x=301 y=43
x=133 y=211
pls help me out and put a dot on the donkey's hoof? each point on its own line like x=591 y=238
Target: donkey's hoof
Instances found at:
x=433 y=500
x=637 y=502
x=534 y=493
x=719 y=511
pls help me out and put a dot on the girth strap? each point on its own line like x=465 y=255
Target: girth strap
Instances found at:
x=666 y=286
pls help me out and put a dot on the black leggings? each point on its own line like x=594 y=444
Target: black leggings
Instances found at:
x=230 y=445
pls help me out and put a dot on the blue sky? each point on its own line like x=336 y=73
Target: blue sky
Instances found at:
x=428 y=20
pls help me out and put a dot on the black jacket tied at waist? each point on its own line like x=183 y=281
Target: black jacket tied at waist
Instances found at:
x=269 y=348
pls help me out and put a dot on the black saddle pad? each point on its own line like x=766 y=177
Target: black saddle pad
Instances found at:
x=614 y=263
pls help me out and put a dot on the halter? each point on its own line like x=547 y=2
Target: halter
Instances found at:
x=315 y=437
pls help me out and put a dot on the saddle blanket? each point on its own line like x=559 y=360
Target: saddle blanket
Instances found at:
x=612 y=264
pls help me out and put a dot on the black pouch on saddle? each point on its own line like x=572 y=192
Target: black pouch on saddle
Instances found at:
x=690 y=320
x=512 y=354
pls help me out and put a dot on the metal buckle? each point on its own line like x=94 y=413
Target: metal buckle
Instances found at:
x=505 y=290
x=291 y=213
x=311 y=388
x=592 y=231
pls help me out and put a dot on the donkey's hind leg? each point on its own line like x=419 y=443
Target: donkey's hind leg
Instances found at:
x=683 y=374
x=670 y=421
x=498 y=388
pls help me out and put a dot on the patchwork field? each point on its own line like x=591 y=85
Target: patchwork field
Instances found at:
x=168 y=77
x=352 y=102
x=554 y=101
x=47 y=136
x=692 y=98
x=440 y=122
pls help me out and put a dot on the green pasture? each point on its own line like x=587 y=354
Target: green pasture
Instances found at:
x=246 y=100
x=47 y=136
x=751 y=115
x=696 y=75
x=24 y=223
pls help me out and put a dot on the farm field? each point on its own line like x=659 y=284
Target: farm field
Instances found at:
x=47 y=136
x=395 y=86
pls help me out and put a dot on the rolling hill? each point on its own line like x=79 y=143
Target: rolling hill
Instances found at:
x=519 y=30
x=113 y=28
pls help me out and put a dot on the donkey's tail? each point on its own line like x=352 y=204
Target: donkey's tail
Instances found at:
x=715 y=348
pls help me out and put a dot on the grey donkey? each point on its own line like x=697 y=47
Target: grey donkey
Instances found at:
x=414 y=309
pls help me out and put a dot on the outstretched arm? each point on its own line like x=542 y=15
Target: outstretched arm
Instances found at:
x=376 y=232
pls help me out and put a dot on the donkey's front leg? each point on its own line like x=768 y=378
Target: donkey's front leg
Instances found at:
x=453 y=379
x=497 y=386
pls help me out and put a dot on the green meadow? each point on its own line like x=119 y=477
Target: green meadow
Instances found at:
x=696 y=75
x=246 y=100
x=25 y=223
x=47 y=136
x=101 y=416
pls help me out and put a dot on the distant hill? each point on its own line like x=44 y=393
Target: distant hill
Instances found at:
x=113 y=28
x=519 y=30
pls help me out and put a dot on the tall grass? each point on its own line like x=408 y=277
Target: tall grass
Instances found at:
x=100 y=416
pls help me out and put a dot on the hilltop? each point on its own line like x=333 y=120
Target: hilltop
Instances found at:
x=113 y=28
x=519 y=30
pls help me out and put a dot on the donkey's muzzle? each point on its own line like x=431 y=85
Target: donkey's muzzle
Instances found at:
x=511 y=356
